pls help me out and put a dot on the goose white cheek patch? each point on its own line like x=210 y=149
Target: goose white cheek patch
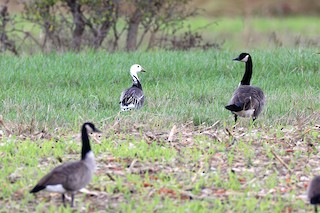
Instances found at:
x=245 y=59
x=88 y=127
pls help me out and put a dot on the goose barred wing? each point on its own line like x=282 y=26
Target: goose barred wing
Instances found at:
x=132 y=98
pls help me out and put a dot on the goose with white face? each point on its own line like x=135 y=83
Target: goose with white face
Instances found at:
x=135 y=69
x=133 y=97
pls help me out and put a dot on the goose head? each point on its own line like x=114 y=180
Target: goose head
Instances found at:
x=136 y=68
x=243 y=57
x=86 y=153
x=90 y=128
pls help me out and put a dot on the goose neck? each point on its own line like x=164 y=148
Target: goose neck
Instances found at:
x=85 y=143
x=248 y=73
x=136 y=82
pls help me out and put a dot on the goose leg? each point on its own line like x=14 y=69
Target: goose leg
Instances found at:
x=63 y=200
x=315 y=209
x=235 y=118
x=253 y=119
x=72 y=199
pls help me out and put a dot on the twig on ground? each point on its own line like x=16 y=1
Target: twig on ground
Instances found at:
x=132 y=164
x=187 y=124
x=86 y=191
x=172 y=132
x=234 y=140
x=111 y=178
x=210 y=127
x=280 y=160
x=117 y=120
x=248 y=183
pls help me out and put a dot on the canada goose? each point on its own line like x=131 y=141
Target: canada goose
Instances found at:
x=71 y=176
x=314 y=192
x=247 y=101
x=133 y=97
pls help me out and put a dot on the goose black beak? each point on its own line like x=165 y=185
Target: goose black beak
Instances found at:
x=236 y=59
x=143 y=70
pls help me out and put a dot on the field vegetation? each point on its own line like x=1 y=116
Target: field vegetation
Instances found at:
x=182 y=152
x=208 y=165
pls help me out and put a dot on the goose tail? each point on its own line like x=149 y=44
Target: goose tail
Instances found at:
x=233 y=108
x=37 y=188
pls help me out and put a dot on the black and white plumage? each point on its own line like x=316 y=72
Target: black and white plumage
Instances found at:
x=313 y=192
x=133 y=97
x=247 y=100
x=71 y=176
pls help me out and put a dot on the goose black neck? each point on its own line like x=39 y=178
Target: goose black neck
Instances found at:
x=248 y=73
x=85 y=143
x=136 y=82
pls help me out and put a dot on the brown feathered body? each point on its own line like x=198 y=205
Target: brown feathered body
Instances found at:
x=249 y=99
x=71 y=176
x=68 y=177
x=314 y=190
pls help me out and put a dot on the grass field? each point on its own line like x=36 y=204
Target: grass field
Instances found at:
x=208 y=167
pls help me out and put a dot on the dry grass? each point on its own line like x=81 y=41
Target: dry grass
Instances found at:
x=260 y=169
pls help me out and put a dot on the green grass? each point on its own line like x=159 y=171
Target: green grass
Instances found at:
x=63 y=90
x=45 y=99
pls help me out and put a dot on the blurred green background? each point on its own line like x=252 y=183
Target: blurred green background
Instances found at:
x=252 y=24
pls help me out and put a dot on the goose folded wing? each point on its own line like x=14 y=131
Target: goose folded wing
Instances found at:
x=131 y=96
x=79 y=175
x=60 y=174
x=241 y=101
x=252 y=97
x=55 y=177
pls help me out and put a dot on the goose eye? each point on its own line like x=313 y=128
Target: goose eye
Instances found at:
x=138 y=66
